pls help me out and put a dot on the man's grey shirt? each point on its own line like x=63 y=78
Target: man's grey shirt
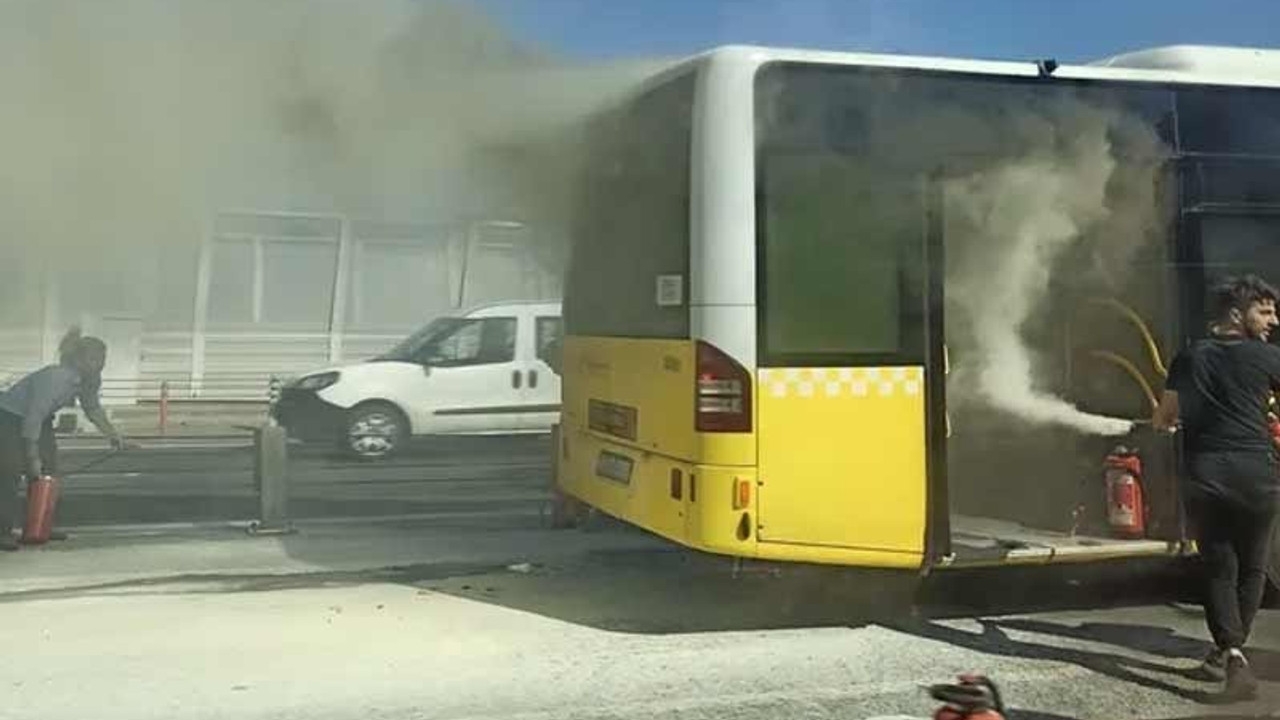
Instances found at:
x=36 y=397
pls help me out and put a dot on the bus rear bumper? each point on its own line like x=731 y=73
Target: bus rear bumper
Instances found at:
x=711 y=508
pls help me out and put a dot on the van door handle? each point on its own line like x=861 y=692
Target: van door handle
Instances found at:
x=533 y=378
x=516 y=377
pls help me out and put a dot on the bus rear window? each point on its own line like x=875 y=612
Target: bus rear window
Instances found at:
x=851 y=164
x=1230 y=120
x=842 y=262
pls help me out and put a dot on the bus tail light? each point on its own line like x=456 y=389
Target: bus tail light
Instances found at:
x=724 y=392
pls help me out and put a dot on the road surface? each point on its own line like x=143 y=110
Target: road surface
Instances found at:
x=624 y=635
x=647 y=632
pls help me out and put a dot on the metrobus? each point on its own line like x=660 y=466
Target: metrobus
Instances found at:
x=770 y=346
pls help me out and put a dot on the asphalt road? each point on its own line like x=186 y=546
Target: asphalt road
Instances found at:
x=186 y=481
x=630 y=633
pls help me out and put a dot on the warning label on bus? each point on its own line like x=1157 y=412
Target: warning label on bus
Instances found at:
x=616 y=420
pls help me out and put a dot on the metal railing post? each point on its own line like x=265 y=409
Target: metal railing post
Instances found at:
x=273 y=397
x=271 y=472
x=164 y=407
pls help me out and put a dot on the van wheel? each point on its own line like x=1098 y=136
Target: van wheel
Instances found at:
x=375 y=431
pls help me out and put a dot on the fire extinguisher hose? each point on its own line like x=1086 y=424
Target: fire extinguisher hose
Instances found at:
x=91 y=463
x=1131 y=370
x=1148 y=340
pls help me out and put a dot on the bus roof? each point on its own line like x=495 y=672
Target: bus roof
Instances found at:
x=1185 y=64
x=1202 y=60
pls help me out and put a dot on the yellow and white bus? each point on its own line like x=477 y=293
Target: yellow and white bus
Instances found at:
x=761 y=359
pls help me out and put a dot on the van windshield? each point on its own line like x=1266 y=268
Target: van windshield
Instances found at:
x=409 y=348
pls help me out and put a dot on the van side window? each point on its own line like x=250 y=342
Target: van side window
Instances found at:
x=549 y=330
x=483 y=341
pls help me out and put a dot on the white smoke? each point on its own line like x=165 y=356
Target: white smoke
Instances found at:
x=1015 y=221
x=129 y=124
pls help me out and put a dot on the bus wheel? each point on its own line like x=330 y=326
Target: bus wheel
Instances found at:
x=566 y=512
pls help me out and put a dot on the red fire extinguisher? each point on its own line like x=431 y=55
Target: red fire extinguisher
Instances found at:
x=1126 y=508
x=42 y=498
x=973 y=697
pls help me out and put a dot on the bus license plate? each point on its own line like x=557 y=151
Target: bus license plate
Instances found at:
x=615 y=467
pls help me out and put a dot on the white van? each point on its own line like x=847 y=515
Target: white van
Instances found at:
x=488 y=371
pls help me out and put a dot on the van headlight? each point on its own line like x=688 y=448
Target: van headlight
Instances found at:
x=317 y=382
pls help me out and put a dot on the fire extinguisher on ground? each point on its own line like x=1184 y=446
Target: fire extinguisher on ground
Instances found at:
x=973 y=697
x=1126 y=507
x=42 y=498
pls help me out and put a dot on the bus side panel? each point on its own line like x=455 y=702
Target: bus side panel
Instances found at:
x=627 y=429
x=644 y=489
x=688 y=504
x=843 y=458
x=575 y=473
x=640 y=391
x=715 y=520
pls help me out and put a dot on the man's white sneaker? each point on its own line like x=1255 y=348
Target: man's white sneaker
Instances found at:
x=1241 y=682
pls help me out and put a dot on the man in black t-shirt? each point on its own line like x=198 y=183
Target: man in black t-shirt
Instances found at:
x=1218 y=392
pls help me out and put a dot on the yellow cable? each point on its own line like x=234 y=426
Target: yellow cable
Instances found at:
x=1152 y=348
x=1129 y=368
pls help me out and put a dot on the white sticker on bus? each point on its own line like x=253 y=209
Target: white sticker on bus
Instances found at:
x=670 y=290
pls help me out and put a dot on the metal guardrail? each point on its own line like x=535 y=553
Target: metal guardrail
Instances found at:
x=252 y=387
x=222 y=386
x=249 y=388
x=254 y=390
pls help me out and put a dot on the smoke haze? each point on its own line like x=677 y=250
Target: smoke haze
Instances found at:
x=133 y=122
x=129 y=123
x=1014 y=223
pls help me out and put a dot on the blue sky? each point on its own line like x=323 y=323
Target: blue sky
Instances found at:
x=1069 y=30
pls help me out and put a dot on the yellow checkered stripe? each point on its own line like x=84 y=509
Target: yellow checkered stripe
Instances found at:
x=842 y=382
